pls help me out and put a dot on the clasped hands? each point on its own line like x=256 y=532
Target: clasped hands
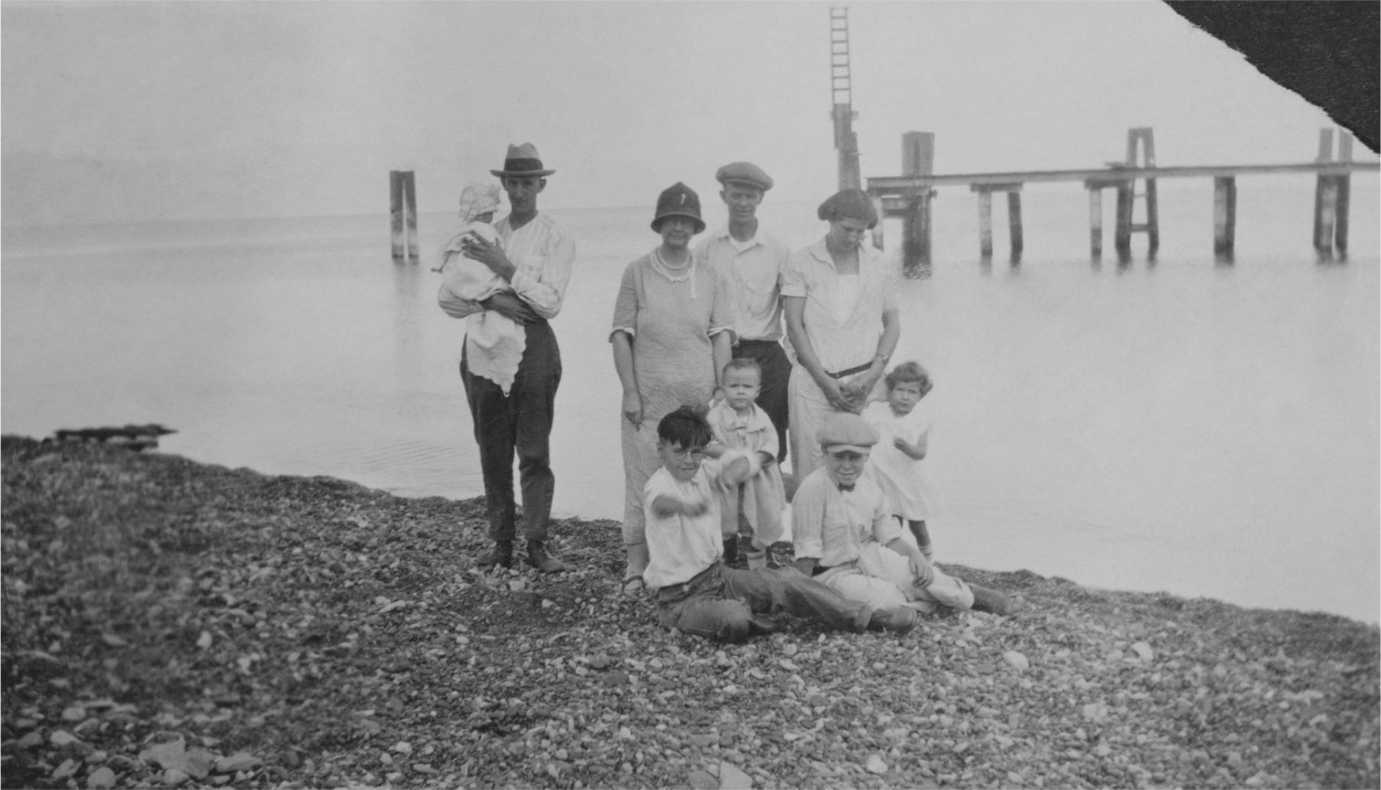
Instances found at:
x=850 y=394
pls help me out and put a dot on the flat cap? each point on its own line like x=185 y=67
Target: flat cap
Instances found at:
x=744 y=173
x=848 y=429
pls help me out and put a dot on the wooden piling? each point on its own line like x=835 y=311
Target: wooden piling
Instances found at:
x=985 y=224
x=1014 y=223
x=1224 y=217
x=1327 y=216
x=410 y=216
x=1095 y=221
x=918 y=159
x=1325 y=155
x=1344 y=190
x=395 y=211
x=1122 y=233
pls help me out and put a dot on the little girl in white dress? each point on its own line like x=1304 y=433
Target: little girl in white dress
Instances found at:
x=897 y=463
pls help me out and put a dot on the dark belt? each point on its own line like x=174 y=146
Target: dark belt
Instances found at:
x=759 y=343
x=856 y=369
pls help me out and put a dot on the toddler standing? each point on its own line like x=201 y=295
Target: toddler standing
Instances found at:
x=903 y=423
x=499 y=337
x=752 y=510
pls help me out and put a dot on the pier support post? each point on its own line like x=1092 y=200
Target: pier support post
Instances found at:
x=985 y=224
x=410 y=216
x=1122 y=233
x=395 y=213
x=1326 y=218
x=1344 y=196
x=1014 y=223
x=1323 y=242
x=1224 y=217
x=402 y=207
x=918 y=159
x=1095 y=221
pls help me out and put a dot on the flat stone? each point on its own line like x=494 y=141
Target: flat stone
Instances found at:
x=1143 y=651
x=731 y=778
x=1017 y=660
x=875 y=764
x=100 y=778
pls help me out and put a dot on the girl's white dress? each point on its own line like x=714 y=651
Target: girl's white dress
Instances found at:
x=904 y=480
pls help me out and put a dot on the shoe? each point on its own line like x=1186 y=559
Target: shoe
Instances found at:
x=989 y=600
x=898 y=619
x=538 y=558
x=500 y=555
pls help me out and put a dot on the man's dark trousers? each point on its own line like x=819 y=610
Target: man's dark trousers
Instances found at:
x=520 y=421
x=776 y=372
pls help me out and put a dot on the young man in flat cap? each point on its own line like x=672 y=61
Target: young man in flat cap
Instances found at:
x=846 y=537
x=749 y=261
x=535 y=259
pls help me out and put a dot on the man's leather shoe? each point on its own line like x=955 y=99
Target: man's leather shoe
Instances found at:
x=538 y=558
x=501 y=555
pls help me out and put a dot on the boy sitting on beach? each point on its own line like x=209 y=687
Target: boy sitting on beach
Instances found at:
x=752 y=510
x=465 y=278
x=845 y=535
x=696 y=593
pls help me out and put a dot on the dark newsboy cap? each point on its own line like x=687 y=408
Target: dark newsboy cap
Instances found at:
x=745 y=173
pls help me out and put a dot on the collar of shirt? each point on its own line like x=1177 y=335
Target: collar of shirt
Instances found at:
x=821 y=253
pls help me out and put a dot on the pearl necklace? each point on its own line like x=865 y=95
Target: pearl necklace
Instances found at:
x=676 y=274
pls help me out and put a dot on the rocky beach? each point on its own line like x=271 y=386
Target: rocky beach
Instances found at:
x=169 y=623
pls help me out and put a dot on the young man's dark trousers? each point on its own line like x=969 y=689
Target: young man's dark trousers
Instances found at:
x=518 y=422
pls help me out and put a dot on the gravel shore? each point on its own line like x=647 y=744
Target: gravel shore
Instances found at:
x=169 y=623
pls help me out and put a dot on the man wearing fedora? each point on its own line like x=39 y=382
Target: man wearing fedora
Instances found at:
x=750 y=260
x=535 y=259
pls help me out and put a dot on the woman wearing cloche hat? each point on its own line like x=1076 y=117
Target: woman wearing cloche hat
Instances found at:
x=842 y=320
x=671 y=336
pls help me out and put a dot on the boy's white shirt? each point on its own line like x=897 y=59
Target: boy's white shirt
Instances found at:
x=679 y=547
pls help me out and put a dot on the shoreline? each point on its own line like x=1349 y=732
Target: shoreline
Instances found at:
x=275 y=631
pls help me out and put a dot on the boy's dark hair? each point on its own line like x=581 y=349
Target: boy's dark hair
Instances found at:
x=909 y=373
x=684 y=427
x=742 y=363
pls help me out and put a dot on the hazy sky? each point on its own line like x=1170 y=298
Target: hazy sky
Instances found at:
x=147 y=110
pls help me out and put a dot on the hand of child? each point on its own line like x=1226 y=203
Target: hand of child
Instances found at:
x=925 y=572
x=737 y=470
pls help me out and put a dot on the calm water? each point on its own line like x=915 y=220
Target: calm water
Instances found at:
x=1178 y=426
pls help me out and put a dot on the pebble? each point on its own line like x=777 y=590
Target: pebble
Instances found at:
x=702 y=780
x=732 y=778
x=66 y=769
x=875 y=764
x=1143 y=651
x=1017 y=660
x=73 y=713
x=101 y=777
x=1095 y=712
x=62 y=738
x=173 y=777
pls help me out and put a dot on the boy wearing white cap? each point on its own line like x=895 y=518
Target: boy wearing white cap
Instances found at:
x=846 y=537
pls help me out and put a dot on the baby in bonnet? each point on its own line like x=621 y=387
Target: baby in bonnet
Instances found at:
x=498 y=340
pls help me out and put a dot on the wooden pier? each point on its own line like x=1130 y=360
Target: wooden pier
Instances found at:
x=402 y=206
x=908 y=196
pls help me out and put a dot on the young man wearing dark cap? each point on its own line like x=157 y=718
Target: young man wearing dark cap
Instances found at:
x=535 y=259
x=750 y=260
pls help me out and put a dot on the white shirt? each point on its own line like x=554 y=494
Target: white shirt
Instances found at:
x=542 y=254
x=843 y=335
x=752 y=271
x=831 y=525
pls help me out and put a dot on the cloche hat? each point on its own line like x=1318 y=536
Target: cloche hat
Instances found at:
x=849 y=204
x=678 y=200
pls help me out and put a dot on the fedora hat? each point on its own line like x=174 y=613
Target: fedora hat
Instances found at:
x=522 y=160
x=678 y=200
